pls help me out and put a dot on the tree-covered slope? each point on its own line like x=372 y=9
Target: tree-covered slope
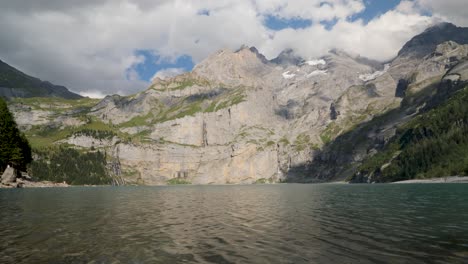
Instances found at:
x=75 y=167
x=14 y=83
x=434 y=144
x=14 y=147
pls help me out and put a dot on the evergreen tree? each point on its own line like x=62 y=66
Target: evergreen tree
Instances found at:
x=14 y=147
x=434 y=144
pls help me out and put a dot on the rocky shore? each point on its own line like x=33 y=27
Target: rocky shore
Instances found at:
x=452 y=179
x=13 y=178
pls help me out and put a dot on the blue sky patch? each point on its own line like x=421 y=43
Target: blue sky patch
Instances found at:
x=277 y=23
x=375 y=8
x=153 y=63
x=203 y=12
x=329 y=24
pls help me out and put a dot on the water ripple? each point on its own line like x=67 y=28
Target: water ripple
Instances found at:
x=236 y=224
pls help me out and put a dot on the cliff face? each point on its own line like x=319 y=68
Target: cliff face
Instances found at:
x=238 y=118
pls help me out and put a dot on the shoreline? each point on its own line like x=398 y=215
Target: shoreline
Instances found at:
x=21 y=183
x=451 y=179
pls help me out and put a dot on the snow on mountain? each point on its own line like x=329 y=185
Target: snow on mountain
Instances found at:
x=372 y=76
x=317 y=72
x=316 y=62
x=288 y=75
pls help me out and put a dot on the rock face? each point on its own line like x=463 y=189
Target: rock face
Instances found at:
x=9 y=176
x=239 y=118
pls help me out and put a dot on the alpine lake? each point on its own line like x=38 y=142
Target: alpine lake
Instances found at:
x=278 y=223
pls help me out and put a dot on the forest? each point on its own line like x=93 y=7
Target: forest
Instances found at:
x=433 y=144
x=64 y=164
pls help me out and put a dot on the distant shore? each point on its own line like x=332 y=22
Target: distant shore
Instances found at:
x=451 y=179
x=21 y=183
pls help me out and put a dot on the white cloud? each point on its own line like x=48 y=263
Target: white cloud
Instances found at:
x=90 y=45
x=379 y=39
x=167 y=73
x=93 y=94
x=315 y=10
x=454 y=11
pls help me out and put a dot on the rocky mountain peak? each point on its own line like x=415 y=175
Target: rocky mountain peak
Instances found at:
x=287 y=57
x=239 y=67
x=425 y=43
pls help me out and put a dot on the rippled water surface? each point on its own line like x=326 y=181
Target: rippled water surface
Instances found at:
x=236 y=224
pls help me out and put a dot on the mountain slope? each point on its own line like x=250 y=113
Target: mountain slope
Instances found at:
x=422 y=83
x=434 y=144
x=426 y=42
x=14 y=83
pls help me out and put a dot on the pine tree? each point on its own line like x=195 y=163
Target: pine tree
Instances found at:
x=14 y=147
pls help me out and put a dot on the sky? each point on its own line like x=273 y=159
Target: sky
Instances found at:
x=100 y=47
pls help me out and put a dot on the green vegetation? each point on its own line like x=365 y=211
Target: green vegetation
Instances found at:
x=231 y=99
x=180 y=85
x=263 y=181
x=189 y=83
x=284 y=141
x=56 y=104
x=43 y=136
x=177 y=181
x=433 y=144
x=303 y=142
x=138 y=121
x=204 y=104
x=62 y=164
x=98 y=134
x=14 y=147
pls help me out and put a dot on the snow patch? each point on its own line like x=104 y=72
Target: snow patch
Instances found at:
x=288 y=75
x=317 y=72
x=316 y=62
x=375 y=75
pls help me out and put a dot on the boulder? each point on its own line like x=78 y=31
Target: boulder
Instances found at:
x=9 y=176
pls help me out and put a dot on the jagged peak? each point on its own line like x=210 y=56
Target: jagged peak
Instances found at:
x=244 y=52
x=441 y=26
x=426 y=42
x=241 y=48
x=287 y=57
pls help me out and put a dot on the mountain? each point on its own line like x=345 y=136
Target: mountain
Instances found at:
x=425 y=43
x=434 y=144
x=240 y=118
x=14 y=83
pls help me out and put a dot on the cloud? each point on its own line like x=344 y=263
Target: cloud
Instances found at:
x=315 y=10
x=90 y=45
x=379 y=39
x=167 y=73
x=93 y=94
x=448 y=10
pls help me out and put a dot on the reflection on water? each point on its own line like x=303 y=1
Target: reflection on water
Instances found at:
x=236 y=224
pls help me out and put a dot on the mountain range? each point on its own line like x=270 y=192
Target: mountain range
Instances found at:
x=240 y=118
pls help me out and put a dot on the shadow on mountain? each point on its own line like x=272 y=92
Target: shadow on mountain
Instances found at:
x=340 y=158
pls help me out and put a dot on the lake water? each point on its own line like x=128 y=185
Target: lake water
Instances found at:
x=288 y=223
